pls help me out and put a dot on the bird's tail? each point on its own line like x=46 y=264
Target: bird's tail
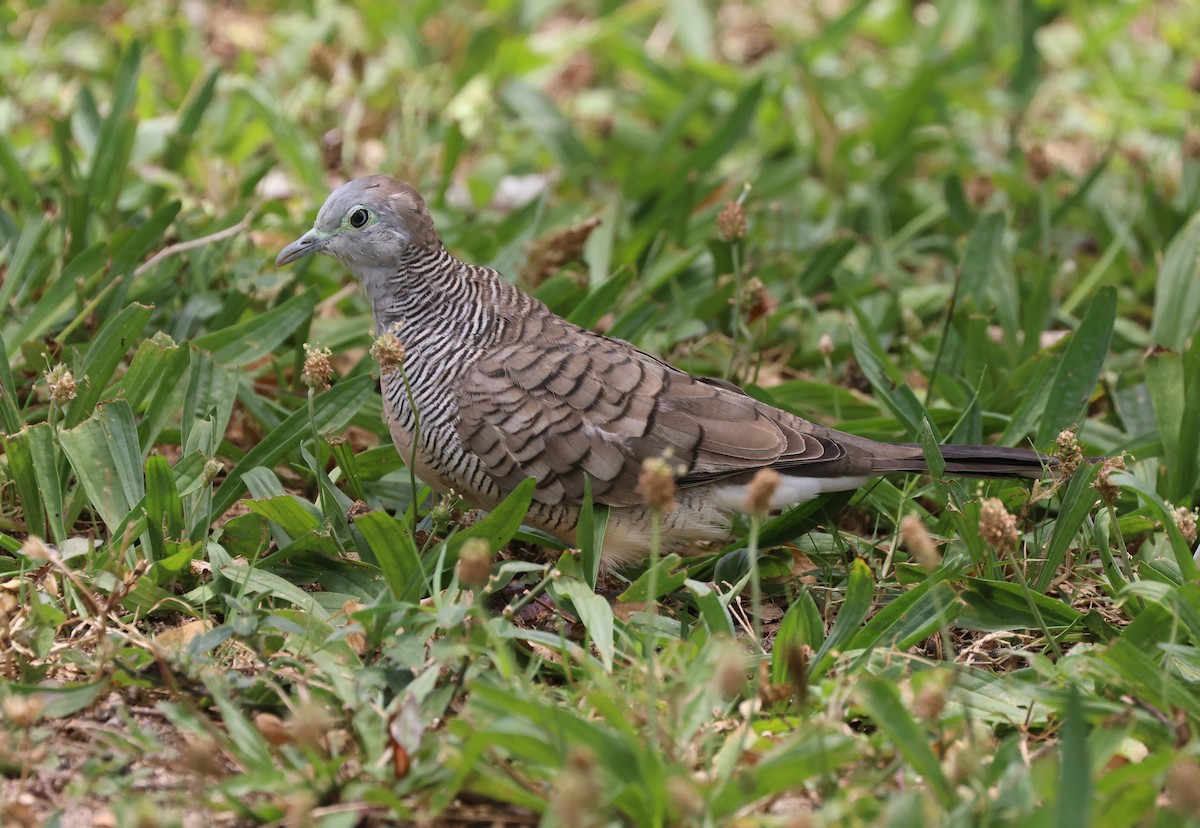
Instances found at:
x=973 y=461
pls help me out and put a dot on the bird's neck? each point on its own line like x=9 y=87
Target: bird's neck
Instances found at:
x=428 y=289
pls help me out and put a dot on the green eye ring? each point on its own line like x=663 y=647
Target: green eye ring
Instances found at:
x=358 y=217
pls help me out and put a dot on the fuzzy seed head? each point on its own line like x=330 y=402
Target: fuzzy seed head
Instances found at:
x=729 y=677
x=1185 y=521
x=202 y=756
x=1191 y=144
x=919 y=543
x=686 y=803
x=761 y=491
x=1039 y=164
x=36 y=549
x=8 y=606
x=1103 y=485
x=1069 y=452
x=22 y=711
x=930 y=703
x=61 y=383
x=212 y=467
x=914 y=328
x=979 y=190
x=356 y=640
x=731 y=222
x=317 y=371
x=474 y=563
x=657 y=484
x=997 y=526
x=309 y=723
x=825 y=346
x=272 y=728
x=388 y=350
x=577 y=791
x=1183 y=788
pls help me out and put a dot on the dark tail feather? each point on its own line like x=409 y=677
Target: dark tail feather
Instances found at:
x=983 y=461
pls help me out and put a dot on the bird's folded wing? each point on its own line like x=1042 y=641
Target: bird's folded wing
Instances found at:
x=564 y=402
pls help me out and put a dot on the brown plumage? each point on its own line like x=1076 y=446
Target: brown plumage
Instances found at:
x=505 y=389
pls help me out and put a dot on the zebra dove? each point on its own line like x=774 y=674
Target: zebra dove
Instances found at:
x=503 y=389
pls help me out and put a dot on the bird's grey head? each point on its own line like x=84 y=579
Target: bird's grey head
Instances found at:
x=368 y=225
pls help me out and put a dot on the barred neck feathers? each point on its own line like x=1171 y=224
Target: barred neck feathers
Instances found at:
x=454 y=300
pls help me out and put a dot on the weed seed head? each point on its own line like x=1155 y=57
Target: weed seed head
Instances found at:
x=1185 y=520
x=729 y=678
x=760 y=492
x=388 y=350
x=919 y=543
x=474 y=563
x=1069 y=453
x=272 y=728
x=657 y=484
x=23 y=711
x=317 y=371
x=731 y=222
x=1103 y=485
x=1183 y=788
x=61 y=382
x=997 y=526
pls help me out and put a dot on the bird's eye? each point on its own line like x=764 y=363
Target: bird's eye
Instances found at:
x=359 y=217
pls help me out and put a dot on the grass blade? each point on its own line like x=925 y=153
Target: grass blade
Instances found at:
x=1080 y=367
x=331 y=410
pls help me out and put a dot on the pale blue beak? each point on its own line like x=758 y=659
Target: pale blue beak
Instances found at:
x=311 y=242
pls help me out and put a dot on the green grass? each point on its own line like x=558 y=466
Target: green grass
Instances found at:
x=970 y=221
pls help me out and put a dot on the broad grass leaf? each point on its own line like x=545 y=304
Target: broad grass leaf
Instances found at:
x=259 y=335
x=668 y=579
x=1174 y=387
x=1179 y=545
x=109 y=347
x=589 y=534
x=145 y=237
x=548 y=125
x=396 y=554
x=713 y=611
x=910 y=618
x=1080 y=367
x=500 y=524
x=595 y=613
x=601 y=300
x=812 y=753
x=208 y=399
x=188 y=122
x=165 y=509
x=860 y=594
x=16 y=182
x=18 y=454
x=898 y=397
x=63 y=292
x=1177 y=294
x=114 y=142
x=10 y=415
x=1000 y=605
x=268 y=584
x=801 y=626
x=62 y=701
x=1077 y=503
x=331 y=410
x=23 y=260
x=104 y=452
x=881 y=699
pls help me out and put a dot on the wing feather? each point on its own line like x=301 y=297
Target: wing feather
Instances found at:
x=557 y=403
